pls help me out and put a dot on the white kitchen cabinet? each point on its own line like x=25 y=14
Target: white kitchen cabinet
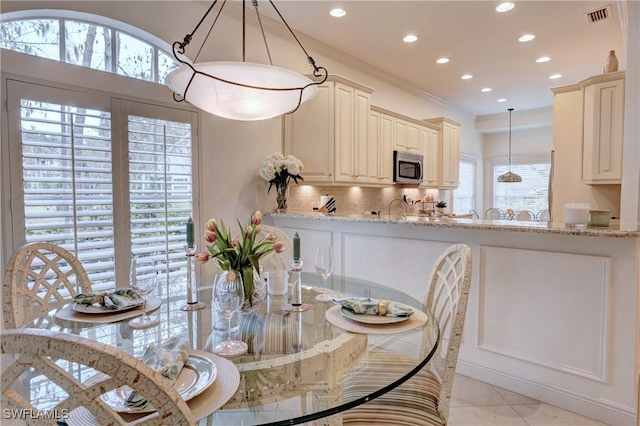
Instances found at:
x=430 y=147
x=449 y=144
x=603 y=129
x=380 y=153
x=309 y=134
x=329 y=133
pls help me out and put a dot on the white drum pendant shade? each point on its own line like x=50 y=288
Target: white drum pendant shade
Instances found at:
x=237 y=102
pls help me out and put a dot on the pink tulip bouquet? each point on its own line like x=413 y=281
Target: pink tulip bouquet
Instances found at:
x=241 y=252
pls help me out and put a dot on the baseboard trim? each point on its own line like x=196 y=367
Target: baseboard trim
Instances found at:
x=596 y=409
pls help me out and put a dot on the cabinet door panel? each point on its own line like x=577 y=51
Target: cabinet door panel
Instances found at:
x=400 y=134
x=308 y=135
x=360 y=139
x=373 y=153
x=413 y=137
x=603 y=128
x=386 y=149
x=344 y=131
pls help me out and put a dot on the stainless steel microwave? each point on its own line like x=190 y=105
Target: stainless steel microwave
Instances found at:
x=408 y=167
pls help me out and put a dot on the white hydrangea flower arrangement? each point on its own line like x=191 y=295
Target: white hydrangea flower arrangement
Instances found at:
x=278 y=170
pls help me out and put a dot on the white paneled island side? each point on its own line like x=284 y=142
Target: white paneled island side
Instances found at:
x=553 y=311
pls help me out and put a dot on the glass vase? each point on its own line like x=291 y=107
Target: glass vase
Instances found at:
x=281 y=198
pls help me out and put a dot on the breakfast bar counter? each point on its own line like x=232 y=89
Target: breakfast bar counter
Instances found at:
x=552 y=312
x=614 y=230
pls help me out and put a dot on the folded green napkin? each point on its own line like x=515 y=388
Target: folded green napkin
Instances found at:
x=167 y=359
x=369 y=306
x=116 y=299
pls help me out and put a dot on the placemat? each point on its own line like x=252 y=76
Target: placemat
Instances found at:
x=334 y=316
x=68 y=314
x=210 y=400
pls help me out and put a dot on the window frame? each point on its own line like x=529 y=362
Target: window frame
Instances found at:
x=113 y=26
x=504 y=161
x=467 y=158
x=120 y=106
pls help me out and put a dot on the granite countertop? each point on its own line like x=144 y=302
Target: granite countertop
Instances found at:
x=615 y=230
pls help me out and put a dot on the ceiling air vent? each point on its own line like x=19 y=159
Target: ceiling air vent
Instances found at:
x=598 y=14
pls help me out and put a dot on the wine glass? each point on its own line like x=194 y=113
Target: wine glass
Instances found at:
x=228 y=296
x=324 y=267
x=143 y=279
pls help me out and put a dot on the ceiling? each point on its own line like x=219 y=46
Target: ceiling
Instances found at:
x=477 y=39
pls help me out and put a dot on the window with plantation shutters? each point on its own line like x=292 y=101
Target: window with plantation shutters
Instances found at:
x=105 y=178
x=464 y=197
x=530 y=194
x=160 y=190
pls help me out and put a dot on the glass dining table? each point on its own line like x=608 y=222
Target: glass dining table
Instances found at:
x=297 y=362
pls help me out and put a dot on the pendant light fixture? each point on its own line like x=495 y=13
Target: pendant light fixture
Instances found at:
x=509 y=177
x=241 y=90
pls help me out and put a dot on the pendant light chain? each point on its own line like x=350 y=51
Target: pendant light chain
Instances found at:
x=264 y=37
x=510 y=109
x=312 y=62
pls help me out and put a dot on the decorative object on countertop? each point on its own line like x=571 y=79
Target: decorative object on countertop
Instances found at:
x=328 y=204
x=611 y=64
x=278 y=170
x=599 y=217
x=509 y=213
x=440 y=206
x=241 y=90
x=241 y=254
x=510 y=177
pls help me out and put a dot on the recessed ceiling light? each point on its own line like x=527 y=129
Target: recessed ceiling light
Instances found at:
x=338 y=12
x=526 y=37
x=442 y=60
x=502 y=100
x=505 y=7
x=486 y=89
x=410 y=38
x=555 y=76
x=543 y=59
x=467 y=77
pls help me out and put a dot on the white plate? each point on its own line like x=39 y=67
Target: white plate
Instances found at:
x=197 y=375
x=371 y=319
x=93 y=309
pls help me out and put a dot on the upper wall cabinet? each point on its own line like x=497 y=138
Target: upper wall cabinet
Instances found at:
x=329 y=133
x=603 y=129
x=449 y=145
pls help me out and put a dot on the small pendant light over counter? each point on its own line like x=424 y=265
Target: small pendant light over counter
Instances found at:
x=509 y=177
x=241 y=90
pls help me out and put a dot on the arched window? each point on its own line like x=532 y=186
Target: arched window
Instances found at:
x=88 y=40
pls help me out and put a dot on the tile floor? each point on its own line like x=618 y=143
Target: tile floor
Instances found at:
x=475 y=403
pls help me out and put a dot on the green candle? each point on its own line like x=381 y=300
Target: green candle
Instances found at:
x=296 y=247
x=190 y=232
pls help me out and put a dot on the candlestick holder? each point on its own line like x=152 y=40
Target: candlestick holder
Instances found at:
x=296 y=304
x=192 y=293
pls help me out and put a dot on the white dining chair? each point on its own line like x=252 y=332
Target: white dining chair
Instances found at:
x=424 y=398
x=37 y=275
x=544 y=216
x=59 y=356
x=494 y=214
x=524 y=215
x=275 y=260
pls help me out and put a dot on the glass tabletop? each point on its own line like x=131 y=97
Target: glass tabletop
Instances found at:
x=297 y=363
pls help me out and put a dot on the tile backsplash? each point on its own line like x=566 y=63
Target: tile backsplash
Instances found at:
x=356 y=199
